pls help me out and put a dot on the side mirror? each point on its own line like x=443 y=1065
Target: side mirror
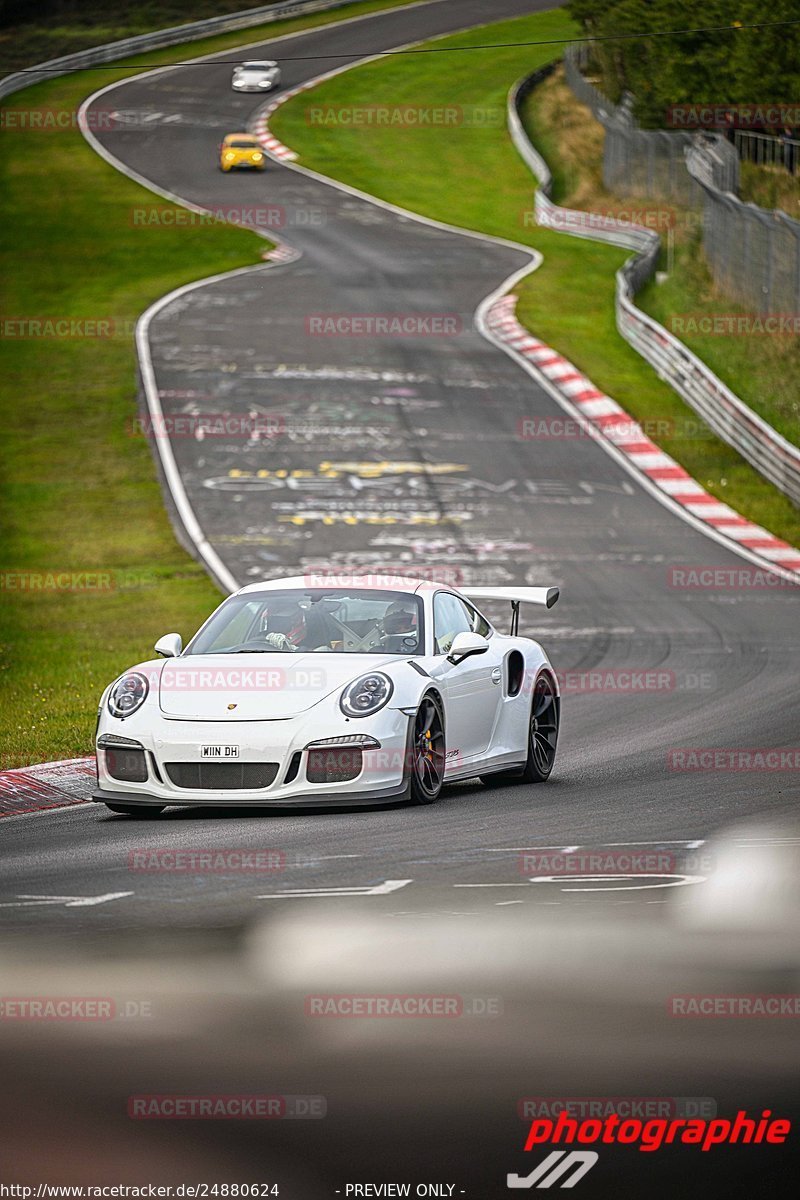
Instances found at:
x=169 y=646
x=465 y=645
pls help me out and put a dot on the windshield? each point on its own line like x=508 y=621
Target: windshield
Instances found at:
x=328 y=621
x=243 y=145
x=260 y=67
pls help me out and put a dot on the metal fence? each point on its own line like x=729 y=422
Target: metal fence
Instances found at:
x=730 y=418
x=767 y=151
x=647 y=162
x=753 y=254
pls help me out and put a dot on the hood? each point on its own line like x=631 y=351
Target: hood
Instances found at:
x=261 y=687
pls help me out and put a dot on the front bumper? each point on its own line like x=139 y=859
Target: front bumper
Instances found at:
x=309 y=799
x=255 y=87
x=283 y=743
x=261 y=165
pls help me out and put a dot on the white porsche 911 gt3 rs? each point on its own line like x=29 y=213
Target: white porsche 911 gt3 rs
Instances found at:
x=311 y=691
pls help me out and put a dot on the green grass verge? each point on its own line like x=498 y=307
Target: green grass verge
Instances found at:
x=770 y=187
x=471 y=175
x=79 y=492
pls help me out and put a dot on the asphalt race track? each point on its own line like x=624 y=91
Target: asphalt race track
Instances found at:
x=392 y=453
x=526 y=511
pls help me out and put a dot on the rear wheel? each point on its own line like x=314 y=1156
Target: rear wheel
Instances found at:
x=142 y=811
x=542 y=739
x=542 y=731
x=427 y=752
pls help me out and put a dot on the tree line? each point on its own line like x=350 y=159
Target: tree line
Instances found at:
x=733 y=66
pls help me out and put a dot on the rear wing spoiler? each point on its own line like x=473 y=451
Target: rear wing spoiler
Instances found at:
x=546 y=596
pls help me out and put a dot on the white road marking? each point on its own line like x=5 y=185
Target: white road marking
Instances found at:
x=679 y=881
x=67 y=901
x=381 y=889
x=599 y=845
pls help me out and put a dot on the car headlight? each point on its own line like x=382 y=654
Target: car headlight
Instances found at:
x=128 y=694
x=257 y=157
x=366 y=695
x=264 y=82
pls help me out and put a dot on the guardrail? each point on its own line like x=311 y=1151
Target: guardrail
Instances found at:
x=725 y=413
x=173 y=36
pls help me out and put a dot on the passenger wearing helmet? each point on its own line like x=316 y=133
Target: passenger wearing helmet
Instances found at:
x=399 y=626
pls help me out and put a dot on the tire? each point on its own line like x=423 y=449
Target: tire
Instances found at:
x=427 y=752
x=542 y=731
x=139 y=811
x=543 y=726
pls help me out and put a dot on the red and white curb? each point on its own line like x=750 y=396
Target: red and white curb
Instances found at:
x=282 y=253
x=610 y=421
x=46 y=785
x=260 y=126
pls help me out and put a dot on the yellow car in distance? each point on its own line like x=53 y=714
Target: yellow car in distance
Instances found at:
x=241 y=150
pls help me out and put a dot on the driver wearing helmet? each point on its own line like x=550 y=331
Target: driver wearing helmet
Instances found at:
x=297 y=628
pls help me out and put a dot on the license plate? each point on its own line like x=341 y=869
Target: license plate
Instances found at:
x=219 y=751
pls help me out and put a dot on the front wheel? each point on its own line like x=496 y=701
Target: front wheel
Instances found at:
x=142 y=811
x=427 y=752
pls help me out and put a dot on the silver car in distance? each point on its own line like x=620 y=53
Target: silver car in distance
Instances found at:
x=256 y=77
